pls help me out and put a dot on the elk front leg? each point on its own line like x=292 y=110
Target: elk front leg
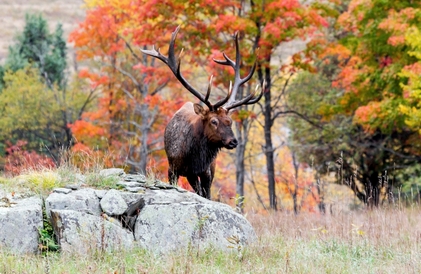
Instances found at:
x=195 y=183
x=206 y=179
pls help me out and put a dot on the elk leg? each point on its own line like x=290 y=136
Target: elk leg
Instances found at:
x=206 y=181
x=172 y=177
x=195 y=184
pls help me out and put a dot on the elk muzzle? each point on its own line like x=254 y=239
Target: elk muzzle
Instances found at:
x=231 y=144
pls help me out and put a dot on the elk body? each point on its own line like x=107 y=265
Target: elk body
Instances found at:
x=196 y=134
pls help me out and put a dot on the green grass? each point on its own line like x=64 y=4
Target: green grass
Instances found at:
x=385 y=241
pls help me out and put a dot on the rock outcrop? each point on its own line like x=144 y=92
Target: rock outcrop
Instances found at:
x=20 y=221
x=152 y=215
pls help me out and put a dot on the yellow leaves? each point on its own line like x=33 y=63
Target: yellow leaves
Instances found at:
x=411 y=104
x=413 y=119
x=413 y=39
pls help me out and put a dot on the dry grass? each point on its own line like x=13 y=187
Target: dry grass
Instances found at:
x=379 y=241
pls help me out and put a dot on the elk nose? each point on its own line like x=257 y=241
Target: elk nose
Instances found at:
x=233 y=144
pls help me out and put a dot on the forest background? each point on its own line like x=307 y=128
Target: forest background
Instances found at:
x=341 y=105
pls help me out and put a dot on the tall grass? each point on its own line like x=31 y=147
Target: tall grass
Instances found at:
x=377 y=241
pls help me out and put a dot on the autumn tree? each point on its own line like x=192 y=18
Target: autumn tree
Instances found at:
x=278 y=22
x=131 y=114
x=364 y=114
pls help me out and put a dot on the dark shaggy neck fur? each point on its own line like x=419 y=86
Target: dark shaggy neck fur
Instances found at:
x=204 y=153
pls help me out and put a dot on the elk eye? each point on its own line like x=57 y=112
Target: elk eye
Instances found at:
x=214 y=122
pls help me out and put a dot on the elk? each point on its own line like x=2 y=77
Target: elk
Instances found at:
x=195 y=134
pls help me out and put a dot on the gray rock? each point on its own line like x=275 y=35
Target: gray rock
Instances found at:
x=62 y=190
x=171 y=221
x=79 y=232
x=19 y=225
x=83 y=200
x=131 y=197
x=140 y=178
x=112 y=203
x=172 y=196
x=129 y=184
x=111 y=172
x=73 y=186
x=100 y=193
x=135 y=189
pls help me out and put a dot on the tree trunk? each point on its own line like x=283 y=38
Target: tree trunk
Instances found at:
x=296 y=165
x=239 y=163
x=270 y=162
x=372 y=190
x=320 y=193
x=144 y=128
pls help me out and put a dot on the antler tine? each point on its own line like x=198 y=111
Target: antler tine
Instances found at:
x=226 y=62
x=223 y=101
x=156 y=54
x=209 y=88
x=174 y=64
x=249 y=99
x=238 y=81
x=257 y=99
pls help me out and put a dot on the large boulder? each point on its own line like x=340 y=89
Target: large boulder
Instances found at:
x=20 y=221
x=171 y=221
x=80 y=232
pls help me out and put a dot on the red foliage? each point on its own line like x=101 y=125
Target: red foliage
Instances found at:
x=19 y=160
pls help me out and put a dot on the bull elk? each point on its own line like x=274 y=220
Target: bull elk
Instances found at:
x=195 y=134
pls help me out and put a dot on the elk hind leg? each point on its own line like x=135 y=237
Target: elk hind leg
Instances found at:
x=172 y=177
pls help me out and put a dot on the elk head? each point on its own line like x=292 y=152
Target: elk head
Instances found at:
x=217 y=123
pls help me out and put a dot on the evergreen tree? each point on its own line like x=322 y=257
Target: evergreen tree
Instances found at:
x=41 y=49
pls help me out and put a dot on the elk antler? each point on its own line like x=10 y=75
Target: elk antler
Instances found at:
x=238 y=81
x=174 y=65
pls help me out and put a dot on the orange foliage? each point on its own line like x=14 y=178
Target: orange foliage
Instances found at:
x=355 y=13
x=303 y=186
x=397 y=23
x=364 y=115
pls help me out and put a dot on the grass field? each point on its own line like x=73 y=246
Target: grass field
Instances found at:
x=378 y=241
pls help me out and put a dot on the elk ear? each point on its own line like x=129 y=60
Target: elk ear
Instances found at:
x=199 y=110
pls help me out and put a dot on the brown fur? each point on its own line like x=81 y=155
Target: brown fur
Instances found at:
x=193 y=139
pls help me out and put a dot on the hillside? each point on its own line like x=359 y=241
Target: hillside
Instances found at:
x=12 y=18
